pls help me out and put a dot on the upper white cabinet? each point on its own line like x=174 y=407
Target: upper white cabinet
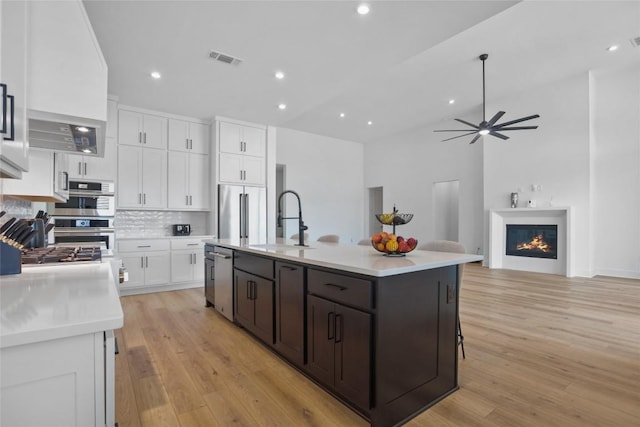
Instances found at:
x=14 y=26
x=241 y=153
x=146 y=130
x=188 y=136
x=66 y=72
x=142 y=178
x=187 y=184
x=47 y=179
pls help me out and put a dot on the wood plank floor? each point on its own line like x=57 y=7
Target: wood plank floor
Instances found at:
x=542 y=350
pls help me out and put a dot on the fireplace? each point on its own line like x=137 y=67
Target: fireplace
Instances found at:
x=535 y=241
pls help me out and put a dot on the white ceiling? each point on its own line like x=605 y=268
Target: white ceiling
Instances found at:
x=397 y=66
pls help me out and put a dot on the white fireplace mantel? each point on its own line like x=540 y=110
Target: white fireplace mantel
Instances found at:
x=562 y=216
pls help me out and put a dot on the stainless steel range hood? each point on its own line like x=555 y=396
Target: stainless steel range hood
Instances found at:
x=62 y=133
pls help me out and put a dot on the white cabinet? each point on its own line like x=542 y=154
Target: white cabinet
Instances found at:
x=14 y=155
x=60 y=382
x=95 y=168
x=139 y=129
x=241 y=157
x=147 y=262
x=47 y=180
x=188 y=136
x=187 y=260
x=188 y=181
x=142 y=178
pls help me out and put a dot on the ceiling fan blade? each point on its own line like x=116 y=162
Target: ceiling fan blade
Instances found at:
x=496 y=117
x=518 y=128
x=467 y=123
x=535 y=116
x=454 y=130
x=499 y=135
x=475 y=138
x=459 y=136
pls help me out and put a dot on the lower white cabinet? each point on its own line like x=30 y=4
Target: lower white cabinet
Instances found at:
x=61 y=382
x=147 y=262
x=187 y=260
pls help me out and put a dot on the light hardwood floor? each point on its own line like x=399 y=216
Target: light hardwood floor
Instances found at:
x=542 y=350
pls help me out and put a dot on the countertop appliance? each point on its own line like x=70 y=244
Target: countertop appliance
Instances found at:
x=242 y=213
x=219 y=279
x=181 y=229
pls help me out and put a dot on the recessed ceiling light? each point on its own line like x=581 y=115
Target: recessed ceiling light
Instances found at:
x=282 y=106
x=369 y=122
x=279 y=75
x=82 y=129
x=363 y=9
x=452 y=101
x=156 y=75
x=341 y=115
x=612 y=48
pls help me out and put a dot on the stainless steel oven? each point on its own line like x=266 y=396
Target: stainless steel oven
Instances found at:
x=86 y=199
x=85 y=230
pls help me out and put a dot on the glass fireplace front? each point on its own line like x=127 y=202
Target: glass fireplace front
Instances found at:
x=529 y=240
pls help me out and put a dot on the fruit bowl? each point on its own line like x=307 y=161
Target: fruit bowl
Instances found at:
x=392 y=245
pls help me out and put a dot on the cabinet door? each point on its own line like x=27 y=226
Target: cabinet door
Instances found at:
x=178 y=183
x=199 y=181
x=198 y=267
x=130 y=127
x=154 y=178
x=289 y=312
x=181 y=266
x=199 y=136
x=101 y=168
x=254 y=141
x=263 y=300
x=134 y=263
x=154 y=132
x=230 y=139
x=320 y=338
x=254 y=170
x=129 y=177
x=242 y=287
x=178 y=135
x=76 y=166
x=353 y=354
x=157 y=267
x=230 y=168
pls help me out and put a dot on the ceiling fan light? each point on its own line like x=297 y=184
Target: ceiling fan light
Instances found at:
x=484 y=132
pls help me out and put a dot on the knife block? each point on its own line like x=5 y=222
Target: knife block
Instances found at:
x=10 y=260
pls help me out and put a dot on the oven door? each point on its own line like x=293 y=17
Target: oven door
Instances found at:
x=85 y=231
x=86 y=199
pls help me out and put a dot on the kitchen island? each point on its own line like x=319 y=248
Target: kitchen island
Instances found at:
x=57 y=345
x=377 y=332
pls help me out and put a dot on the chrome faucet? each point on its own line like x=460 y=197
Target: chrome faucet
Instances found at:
x=301 y=226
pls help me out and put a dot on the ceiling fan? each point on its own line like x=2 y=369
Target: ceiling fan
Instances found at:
x=489 y=127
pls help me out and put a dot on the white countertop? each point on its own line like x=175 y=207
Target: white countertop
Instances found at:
x=350 y=257
x=50 y=302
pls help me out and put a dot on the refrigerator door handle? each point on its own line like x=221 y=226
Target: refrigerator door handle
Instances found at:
x=246 y=215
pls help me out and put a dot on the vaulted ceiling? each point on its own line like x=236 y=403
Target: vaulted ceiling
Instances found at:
x=397 y=67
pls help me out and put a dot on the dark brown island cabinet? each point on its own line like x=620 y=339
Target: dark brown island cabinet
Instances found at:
x=385 y=346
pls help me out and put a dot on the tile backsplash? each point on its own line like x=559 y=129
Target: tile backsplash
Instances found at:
x=136 y=224
x=17 y=208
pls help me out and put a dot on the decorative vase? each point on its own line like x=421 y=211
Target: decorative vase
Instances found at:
x=514 y=200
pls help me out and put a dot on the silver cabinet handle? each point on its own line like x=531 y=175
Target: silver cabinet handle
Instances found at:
x=219 y=255
x=144 y=198
x=145 y=137
x=79 y=168
x=85 y=168
x=186 y=140
x=139 y=198
x=144 y=246
x=147 y=261
x=187 y=200
x=193 y=244
x=139 y=137
x=191 y=200
x=141 y=262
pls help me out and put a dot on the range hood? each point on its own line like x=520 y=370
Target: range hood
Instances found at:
x=62 y=133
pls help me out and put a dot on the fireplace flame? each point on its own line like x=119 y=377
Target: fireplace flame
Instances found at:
x=536 y=243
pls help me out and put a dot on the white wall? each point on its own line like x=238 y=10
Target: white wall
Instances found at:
x=408 y=164
x=616 y=172
x=555 y=156
x=327 y=173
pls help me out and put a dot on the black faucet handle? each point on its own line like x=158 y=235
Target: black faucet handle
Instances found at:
x=304 y=227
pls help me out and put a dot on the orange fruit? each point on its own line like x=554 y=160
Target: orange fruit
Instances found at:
x=376 y=238
x=380 y=247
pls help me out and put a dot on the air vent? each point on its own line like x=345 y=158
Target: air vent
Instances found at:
x=223 y=57
x=635 y=41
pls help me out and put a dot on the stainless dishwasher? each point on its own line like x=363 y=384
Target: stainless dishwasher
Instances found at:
x=223 y=280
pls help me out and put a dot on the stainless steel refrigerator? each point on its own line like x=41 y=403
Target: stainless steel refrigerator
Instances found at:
x=242 y=213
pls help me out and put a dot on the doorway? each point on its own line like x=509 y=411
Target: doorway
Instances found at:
x=375 y=207
x=445 y=210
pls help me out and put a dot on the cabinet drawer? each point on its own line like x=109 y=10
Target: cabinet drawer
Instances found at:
x=177 y=244
x=340 y=288
x=143 y=245
x=254 y=264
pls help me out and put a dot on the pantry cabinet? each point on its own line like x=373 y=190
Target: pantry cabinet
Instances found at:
x=188 y=177
x=143 y=130
x=188 y=136
x=142 y=178
x=187 y=261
